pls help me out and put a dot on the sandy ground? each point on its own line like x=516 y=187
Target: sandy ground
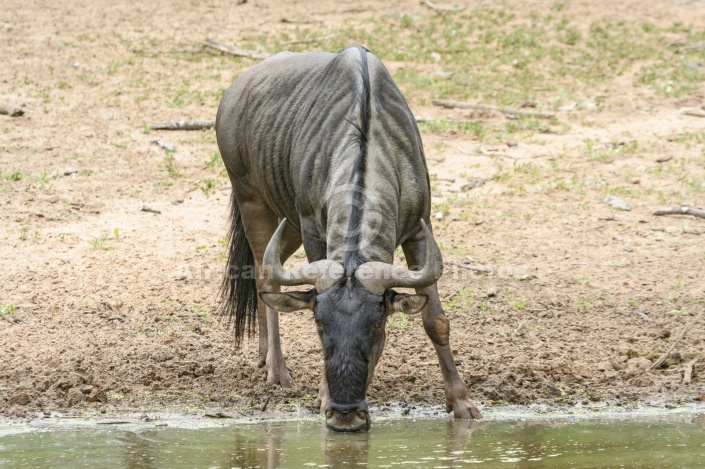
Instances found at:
x=110 y=306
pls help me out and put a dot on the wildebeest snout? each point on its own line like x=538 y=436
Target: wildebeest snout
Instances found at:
x=347 y=417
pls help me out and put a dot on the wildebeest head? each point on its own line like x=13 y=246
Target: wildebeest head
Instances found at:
x=350 y=314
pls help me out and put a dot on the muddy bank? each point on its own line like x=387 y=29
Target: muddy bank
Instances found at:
x=108 y=307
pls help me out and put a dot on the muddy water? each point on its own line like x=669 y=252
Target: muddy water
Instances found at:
x=676 y=442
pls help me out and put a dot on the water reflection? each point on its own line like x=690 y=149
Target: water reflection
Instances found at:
x=345 y=448
x=405 y=443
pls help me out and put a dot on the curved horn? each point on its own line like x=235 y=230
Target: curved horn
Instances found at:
x=376 y=277
x=322 y=274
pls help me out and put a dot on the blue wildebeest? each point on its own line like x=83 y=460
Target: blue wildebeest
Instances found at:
x=322 y=150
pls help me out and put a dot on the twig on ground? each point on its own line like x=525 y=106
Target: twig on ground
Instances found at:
x=431 y=363
x=484 y=270
x=663 y=357
x=483 y=152
x=288 y=21
x=236 y=51
x=516 y=331
x=693 y=232
x=642 y=315
x=165 y=145
x=310 y=40
x=266 y=403
x=11 y=111
x=682 y=210
x=664 y=159
x=441 y=10
x=8 y=319
x=688 y=370
x=150 y=210
x=450 y=104
x=184 y=125
x=694 y=112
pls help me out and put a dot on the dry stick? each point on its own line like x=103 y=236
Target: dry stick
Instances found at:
x=663 y=357
x=11 y=111
x=682 y=210
x=150 y=210
x=688 y=371
x=310 y=40
x=236 y=51
x=501 y=155
x=432 y=121
x=485 y=270
x=264 y=407
x=184 y=125
x=694 y=112
x=441 y=10
x=288 y=21
x=450 y=104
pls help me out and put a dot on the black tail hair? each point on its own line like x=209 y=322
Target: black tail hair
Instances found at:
x=238 y=292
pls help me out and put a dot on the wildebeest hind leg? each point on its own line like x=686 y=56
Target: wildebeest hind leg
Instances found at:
x=437 y=328
x=260 y=223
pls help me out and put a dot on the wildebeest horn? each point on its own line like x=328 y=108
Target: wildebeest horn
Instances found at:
x=376 y=277
x=322 y=274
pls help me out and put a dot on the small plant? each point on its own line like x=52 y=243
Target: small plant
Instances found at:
x=677 y=312
x=14 y=175
x=7 y=310
x=63 y=235
x=215 y=161
x=206 y=313
x=170 y=164
x=23 y=232
x=584 y=302
x=100 y=243
x=116 y=233
x=401 y=323
x=208 y=186
x=44 y=178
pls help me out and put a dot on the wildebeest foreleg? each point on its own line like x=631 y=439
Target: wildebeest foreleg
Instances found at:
x=437 y=328
x=323 y=394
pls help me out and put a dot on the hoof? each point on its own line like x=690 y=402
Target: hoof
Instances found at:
x=464 y=410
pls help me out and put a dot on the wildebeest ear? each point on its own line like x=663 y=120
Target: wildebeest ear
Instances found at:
x=289 y=301
x=407 y=304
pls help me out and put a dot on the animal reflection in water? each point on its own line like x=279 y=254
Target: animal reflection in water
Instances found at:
x=278 y=445
x=323 y=150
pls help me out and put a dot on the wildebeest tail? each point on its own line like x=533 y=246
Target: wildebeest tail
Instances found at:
x=238 y=292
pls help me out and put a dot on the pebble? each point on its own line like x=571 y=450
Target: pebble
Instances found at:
x=616 y=202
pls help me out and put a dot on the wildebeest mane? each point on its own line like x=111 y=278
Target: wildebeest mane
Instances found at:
x=352 y=259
